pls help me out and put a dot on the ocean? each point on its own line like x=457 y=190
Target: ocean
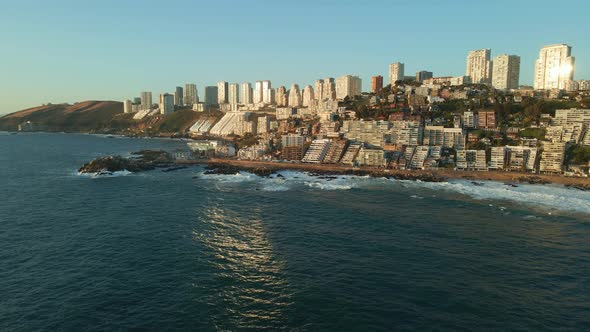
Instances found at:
x=186 y=251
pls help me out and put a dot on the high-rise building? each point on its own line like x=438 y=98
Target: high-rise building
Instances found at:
x=222 y=92
x=554 y=67
x=423 y=75
x=294 y=96
x=211 y=95
x=329 y=89
x=166 y=103
x=307 y=96
x=376 y=83
x=127 y=106
x=178 y=96
x=233 y=93
x=506 y=72
x=146 y=100
x=348 y=86
x=479 y=66
x=319 y=89
x=267 y=94
x=246 y=93
x=281 y=96
x=258 y=94
x=396 y=72
x=191 y=96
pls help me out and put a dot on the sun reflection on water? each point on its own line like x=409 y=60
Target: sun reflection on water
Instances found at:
x=251 y=287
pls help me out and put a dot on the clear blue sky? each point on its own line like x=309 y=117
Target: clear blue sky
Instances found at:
x=67 y=51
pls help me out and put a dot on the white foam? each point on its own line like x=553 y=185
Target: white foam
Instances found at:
x=547 y=197
x=104 y=174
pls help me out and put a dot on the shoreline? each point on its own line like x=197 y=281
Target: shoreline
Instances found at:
x=434 y=175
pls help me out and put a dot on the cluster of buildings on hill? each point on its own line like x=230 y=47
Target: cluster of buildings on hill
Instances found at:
x=316 y=123
x=410 y=142
x=554 y=70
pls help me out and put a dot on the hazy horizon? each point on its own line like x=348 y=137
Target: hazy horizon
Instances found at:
x=66 y=51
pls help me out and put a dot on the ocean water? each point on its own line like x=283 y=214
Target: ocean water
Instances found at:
x=188 y=251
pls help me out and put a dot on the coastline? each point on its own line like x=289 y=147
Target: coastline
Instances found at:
x=434 y=175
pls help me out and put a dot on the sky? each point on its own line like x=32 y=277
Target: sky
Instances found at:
x=69 y=51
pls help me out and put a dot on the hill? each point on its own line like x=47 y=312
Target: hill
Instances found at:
x=85 y=116
x=98 y=117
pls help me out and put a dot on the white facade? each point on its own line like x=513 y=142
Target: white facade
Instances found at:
x=348 y=86
x=281 y=97
x=146 y=100
x=506 y=72
x=294 y=96
x=127 y=106
x=222 y=92
x=307 y=96
x=396 y=72
x=479 y=66
x=246 y=93
x=190 y=94
x=233 y=93
x=267 y=93
x=554 y=67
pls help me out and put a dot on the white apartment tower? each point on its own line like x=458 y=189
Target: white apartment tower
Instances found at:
x=348 y=86
x=246 y=93
x=479 y=66
x=190 y=94
x=281 y=96
x=318 y=89
x=506 y=72
x=554 y=68
x=233 y=93
x=294 y=96
x=222 y=92
x=329 y=89
x=146 y=100
x=396 y=72
x=127 y=106
x=267 y=96
x=258 y=93
x=307 y=96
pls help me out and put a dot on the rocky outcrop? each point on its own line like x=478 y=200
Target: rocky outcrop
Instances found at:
x=141 y=161
x=227 y=169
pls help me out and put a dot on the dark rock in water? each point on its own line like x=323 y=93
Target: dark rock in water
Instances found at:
x=221 y=169
x=174 y=168
x=280 y=176
x=141 y=161
x=579 y=186
x=479 y=184
x=532 y=179
x=231 y=170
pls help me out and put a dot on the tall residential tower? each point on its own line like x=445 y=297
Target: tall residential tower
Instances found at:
x=506 y=72
x=479 y=66
x=554 y=68
x=396 y=72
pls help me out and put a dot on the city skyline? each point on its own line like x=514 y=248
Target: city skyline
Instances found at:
x=95 y=53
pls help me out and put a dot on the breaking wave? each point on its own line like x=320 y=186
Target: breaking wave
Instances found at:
x=547 y=197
